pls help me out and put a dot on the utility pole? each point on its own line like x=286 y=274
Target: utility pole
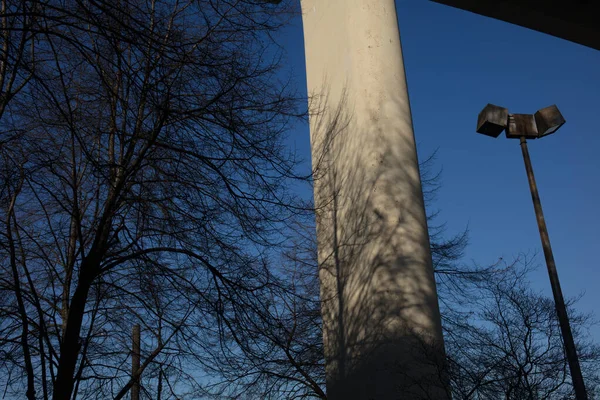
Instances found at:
x=135 y=363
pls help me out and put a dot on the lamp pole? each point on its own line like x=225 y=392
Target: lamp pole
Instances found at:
x=559 y=301
x=492 y=121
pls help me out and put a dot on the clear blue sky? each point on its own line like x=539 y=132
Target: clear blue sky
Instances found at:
x=456 y=63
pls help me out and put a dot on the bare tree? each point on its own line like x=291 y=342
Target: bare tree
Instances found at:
x=502 y=338
x=510 y=346
x=143 y=180
x=286 y=358
x=147 y=184
x=18 y=30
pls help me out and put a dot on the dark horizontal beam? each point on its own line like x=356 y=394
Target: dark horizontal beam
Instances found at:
x=574 y=20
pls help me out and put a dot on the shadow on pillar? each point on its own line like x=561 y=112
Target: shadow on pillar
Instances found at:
x=381 y=323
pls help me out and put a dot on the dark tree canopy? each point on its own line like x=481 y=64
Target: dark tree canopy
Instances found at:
x=144 y=180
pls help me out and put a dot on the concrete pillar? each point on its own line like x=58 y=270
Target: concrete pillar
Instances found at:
x=382 y=329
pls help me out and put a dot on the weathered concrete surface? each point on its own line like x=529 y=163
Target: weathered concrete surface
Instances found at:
x=382 y=329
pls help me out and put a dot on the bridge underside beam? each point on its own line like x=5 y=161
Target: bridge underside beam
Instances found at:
x=574 y=20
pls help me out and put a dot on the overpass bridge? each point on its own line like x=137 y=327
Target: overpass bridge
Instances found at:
x=573 y=20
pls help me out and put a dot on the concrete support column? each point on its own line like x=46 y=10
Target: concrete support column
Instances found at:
x=382 y=328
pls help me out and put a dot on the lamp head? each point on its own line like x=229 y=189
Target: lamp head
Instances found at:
x=548 y=120
x=492 y=120
x=521 y=125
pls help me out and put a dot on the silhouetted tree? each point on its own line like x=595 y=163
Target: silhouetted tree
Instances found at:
x=501 y=337
x=144 y=178
x=286 y=358
x=509 y=344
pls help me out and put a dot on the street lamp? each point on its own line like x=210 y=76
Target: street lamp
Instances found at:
x=492 y=121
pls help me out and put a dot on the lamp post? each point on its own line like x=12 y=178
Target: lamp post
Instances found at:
x=492 y=121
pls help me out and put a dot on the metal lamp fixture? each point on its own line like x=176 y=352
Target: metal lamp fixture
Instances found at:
x=548 y=120
x=492 y=121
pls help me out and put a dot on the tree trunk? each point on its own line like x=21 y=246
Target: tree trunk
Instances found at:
x=69 y=349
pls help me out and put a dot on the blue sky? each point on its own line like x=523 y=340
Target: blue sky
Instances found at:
x=456 y=63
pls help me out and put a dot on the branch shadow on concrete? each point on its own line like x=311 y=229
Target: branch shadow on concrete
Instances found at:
x=381 y=323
